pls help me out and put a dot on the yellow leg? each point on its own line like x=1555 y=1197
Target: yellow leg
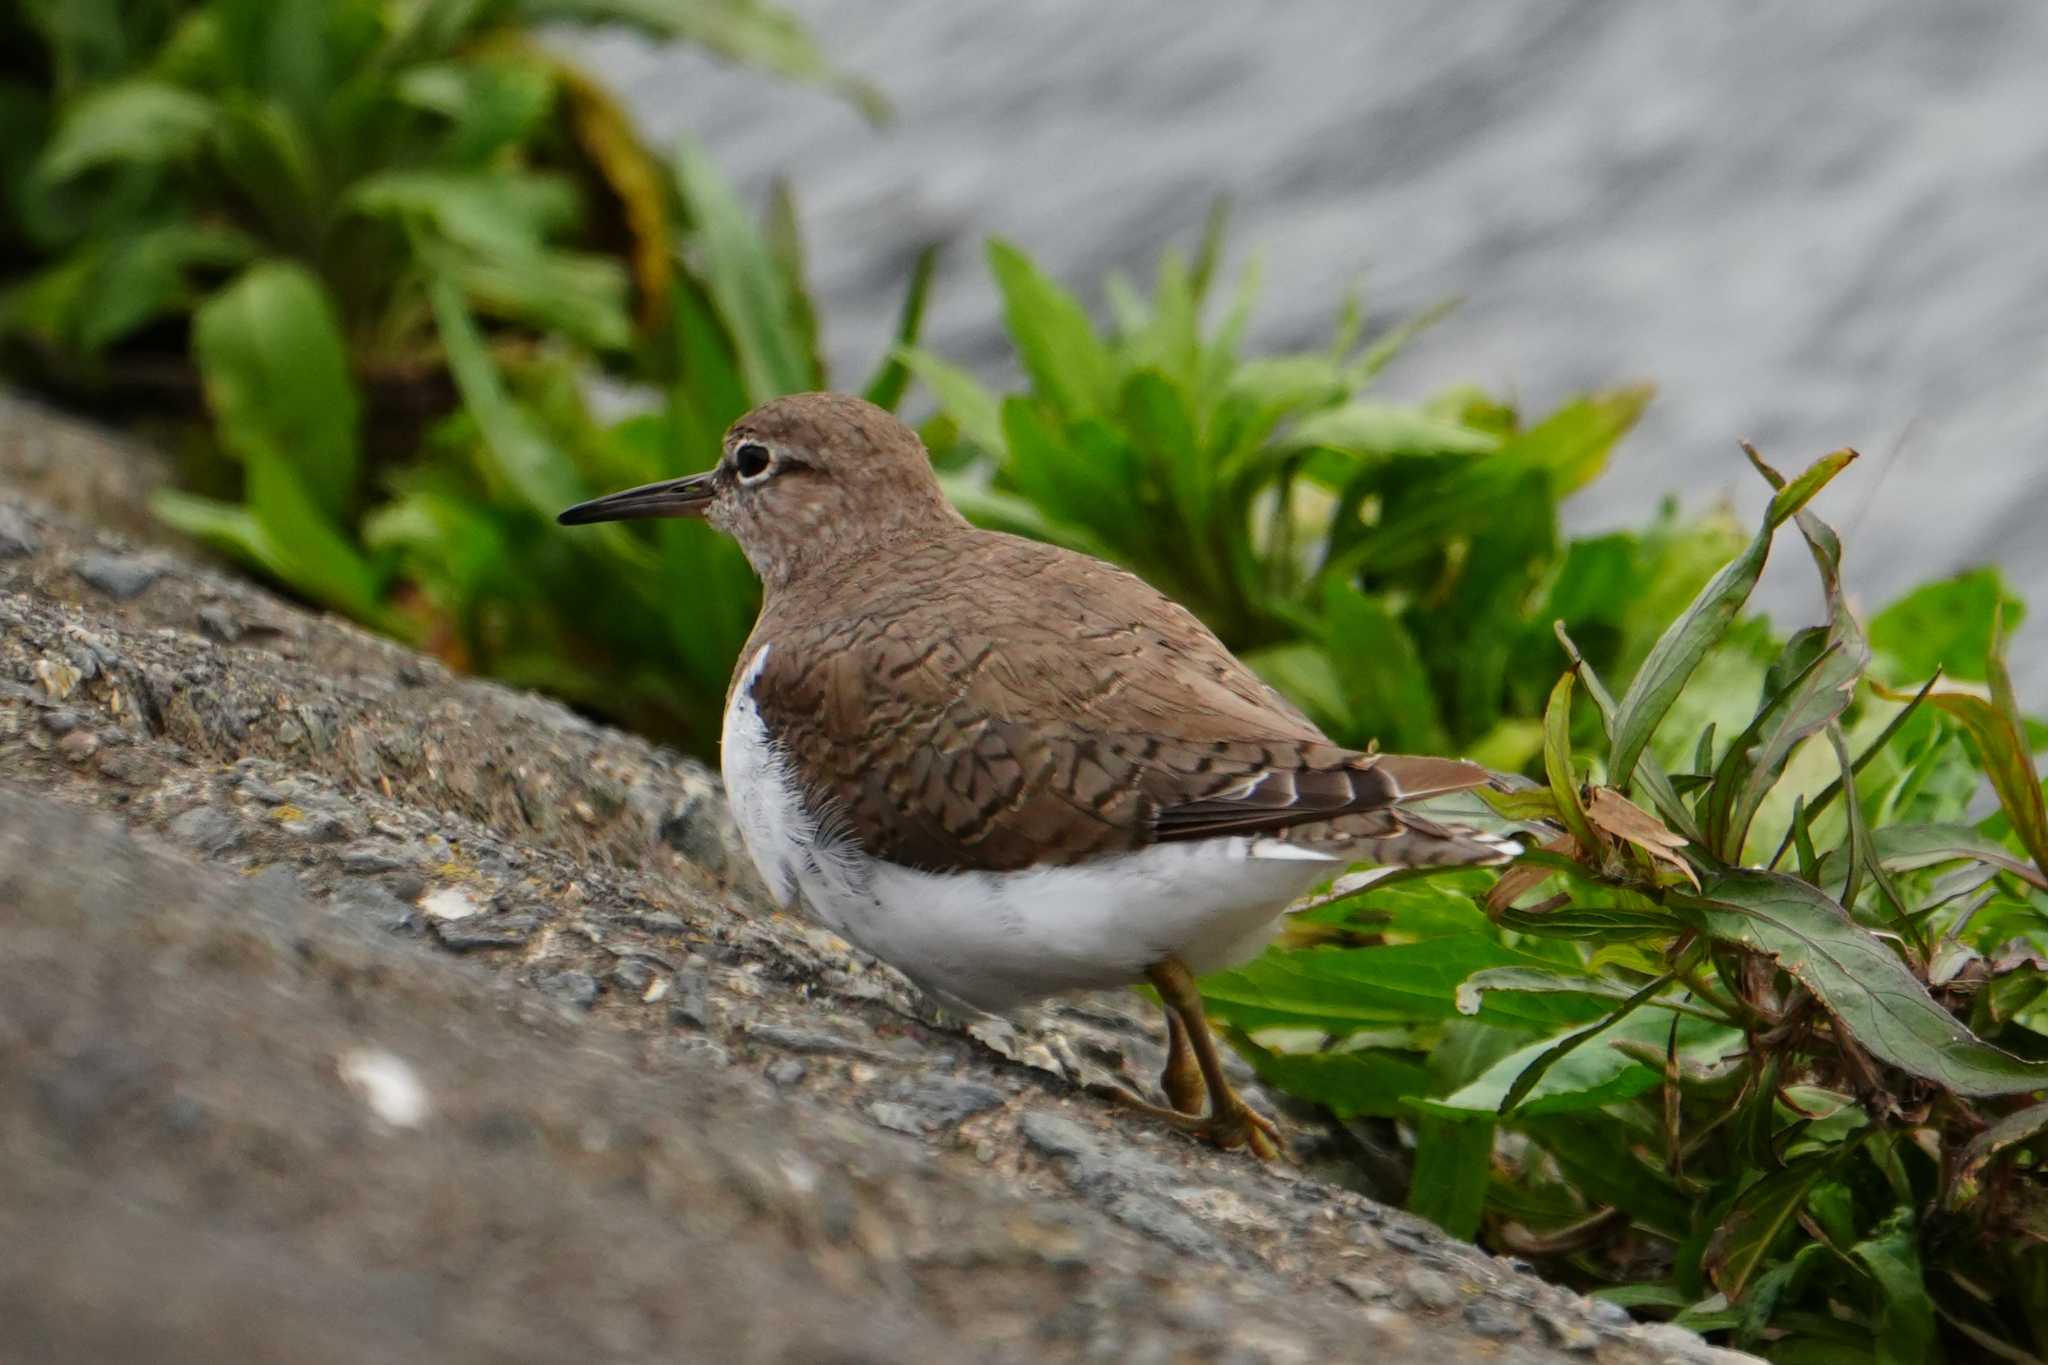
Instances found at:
x=1182 y=1078
x=1230 y=1122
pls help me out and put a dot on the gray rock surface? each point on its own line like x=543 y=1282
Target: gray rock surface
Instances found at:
x=1810 y=225
x=354 y=1011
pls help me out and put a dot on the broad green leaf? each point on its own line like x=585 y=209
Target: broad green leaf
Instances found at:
x=1861 y=981
x=1537 y=981
x=1069 y=366
x=1764 y=1214
x=318 y=560
x=491 y=103
x=1340 y=990
x=1349 y=1082
x=132 y=120
x=270 y=352
x=977 y=412
x=1905 y=1317
x=103 y=291
x=1387 y=693
x=227 y=527
x=1578 y=1074
x=1281 y=384
x=745 y=281
x=507 y=214
x=1679 y=650
x=1453 y=1159
x=1944 y=627
x=1383 y=429
x=1572 y=444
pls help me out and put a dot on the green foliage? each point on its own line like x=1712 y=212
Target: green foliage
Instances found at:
x=378 y=144
x=1778 y=1075
x=1384 y=564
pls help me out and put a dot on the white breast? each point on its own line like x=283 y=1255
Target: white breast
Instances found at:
x=996 y=939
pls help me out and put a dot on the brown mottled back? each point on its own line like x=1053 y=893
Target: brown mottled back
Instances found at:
x=962 y=699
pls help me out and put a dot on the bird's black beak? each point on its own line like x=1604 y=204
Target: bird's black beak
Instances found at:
x=685 y=497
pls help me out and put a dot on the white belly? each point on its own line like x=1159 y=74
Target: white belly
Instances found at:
x=996 y=939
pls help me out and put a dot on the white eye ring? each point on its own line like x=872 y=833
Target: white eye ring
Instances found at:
x=752 y=461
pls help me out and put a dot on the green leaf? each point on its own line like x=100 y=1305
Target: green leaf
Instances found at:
x=1453 y=1159
x=2023 y=1126
x=227 y=527
x=1555 y=1076
x=1603 y=1159
x=1557 y=766
x=1350 y=1082
x=102 y=292
x=1384 y=429
x=487 y=232
x=491 y=103
x=2000 y=733
x=521 y=456
x=1537 y=981
x=745 y=281
x=1387 y=693
x=1679 y=650
x=1069 y=366
x=977 y=412
x=1762 y=1216
x=128 y=121
x=1861 y=981
x=270 y=352
x=885 y=388
x=1905 y=1317
x=1341 y=990
x=1805 y=704
x=1945 y=627
x=1905 y=848
x=318 y=559
x=1573 y=443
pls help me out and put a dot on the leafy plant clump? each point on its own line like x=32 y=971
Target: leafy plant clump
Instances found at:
x=152 y=150
x=1754 y=1039
x=1392 y=567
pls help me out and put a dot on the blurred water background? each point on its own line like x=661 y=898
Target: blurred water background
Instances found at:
x=1808 y=225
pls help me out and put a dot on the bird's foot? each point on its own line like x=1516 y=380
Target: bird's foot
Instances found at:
x=1229 y=1126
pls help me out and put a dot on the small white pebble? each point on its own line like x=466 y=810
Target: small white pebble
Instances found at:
x=387 y=1083
x=656 y=989
x=449 y=902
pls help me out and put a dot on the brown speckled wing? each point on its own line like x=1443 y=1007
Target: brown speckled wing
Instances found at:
x=950 y=721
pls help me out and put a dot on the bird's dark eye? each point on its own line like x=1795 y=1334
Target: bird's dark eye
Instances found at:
x=750 y=460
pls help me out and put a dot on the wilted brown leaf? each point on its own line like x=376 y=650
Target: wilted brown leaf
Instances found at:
x=1518 y=880
x=1615 y=814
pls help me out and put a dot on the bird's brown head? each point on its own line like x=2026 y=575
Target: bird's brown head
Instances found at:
x=803 y=483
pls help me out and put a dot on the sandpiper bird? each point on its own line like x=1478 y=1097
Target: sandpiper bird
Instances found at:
x=1010 y=770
